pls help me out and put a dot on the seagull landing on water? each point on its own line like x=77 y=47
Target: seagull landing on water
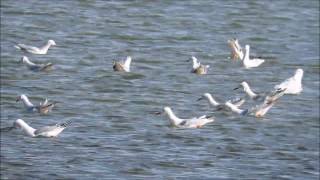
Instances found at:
x=196 y=122
x=198 y=68
x=36 y=67
x=43 y=108
x=35 y=50
x=293 y=84
x=123 y=66
x=237 y=102
x=250 y=93
x=269 y=101
x=250 y=63
x=236 y=49
x=47 y=131
x=260 y=110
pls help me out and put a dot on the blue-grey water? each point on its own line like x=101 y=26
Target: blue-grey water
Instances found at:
x=113 y=134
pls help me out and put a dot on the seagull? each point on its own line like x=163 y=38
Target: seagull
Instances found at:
x=198 y=68
x=43 y=108
x=260 y=110
x=47 y=131
x=36 y=67
x=293 y=84
x=250 y=63
x=35 y=50
x=123 y=66
x=196 y=122
x=236 y=49
x=236 y=109
x=237 y=102
x=249 y=92
x=270 y=100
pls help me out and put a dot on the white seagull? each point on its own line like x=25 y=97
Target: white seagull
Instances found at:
x=36 y=50
x=43 y=108
x=36 y=67
x=236 y=109
x=47 y=131
x=236 y=49
x=197 y=67
x=249 y=92
x=250 y=63
x=293 y=84
x=260 y=110
x=196 y=122
x=123 y=66
x=237 y=102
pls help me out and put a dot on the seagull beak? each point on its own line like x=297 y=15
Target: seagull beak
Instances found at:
x=188 y=60
x=237 y=88
x=156 y=112
x=200 y=99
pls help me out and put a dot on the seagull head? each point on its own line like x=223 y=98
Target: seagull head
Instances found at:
x=242 y=84
x=299 y=73
x=51 y=42
x=17 y=123
x=205 y=95
x=22 y=96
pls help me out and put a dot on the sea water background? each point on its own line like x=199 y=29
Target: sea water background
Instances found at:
x=113 y=135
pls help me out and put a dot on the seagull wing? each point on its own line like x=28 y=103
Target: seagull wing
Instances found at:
x=26 y=47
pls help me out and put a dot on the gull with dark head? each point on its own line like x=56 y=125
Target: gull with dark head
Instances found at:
x=293 y=85
x=36 y=50
x=197 y=67
x=250 y=63
x=195 y=122
x=122 y=66
x=47 y=131
x=36 y=67
x=43 y=108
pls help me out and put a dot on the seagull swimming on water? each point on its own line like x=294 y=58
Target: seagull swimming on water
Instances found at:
x=250 y=63
x=293 y=84
x=196 y=122
x=236 y=49
x=47 y=131
x=36 y=67
x=237 y=102
x=43 y=108
x=250 y=93
x=236 y=109
x=36 y=50
x=197 y=67
x=123 y=66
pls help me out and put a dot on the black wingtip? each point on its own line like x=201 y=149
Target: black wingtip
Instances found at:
x=65 y=124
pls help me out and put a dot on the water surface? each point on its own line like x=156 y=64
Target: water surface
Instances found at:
x=113 y=135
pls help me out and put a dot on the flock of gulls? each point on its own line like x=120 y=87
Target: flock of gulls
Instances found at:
x=263 y=101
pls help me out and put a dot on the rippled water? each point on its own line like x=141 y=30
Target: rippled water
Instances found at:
x=113 y=135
